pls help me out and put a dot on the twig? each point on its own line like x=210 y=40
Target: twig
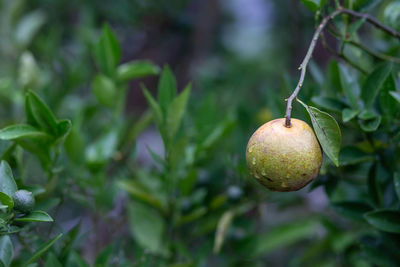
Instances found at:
x=372 y=21
x=316 y=35
x=374 y=54
x=303 y=66
x=341 y=55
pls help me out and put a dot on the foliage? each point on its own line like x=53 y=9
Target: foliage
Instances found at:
x=105 y=195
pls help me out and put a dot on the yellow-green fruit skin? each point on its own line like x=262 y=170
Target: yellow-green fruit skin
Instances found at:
x=284 y=158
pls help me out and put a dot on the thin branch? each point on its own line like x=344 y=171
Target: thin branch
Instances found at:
x=303 y=66
x=316 y=35
x=373 y=21
x=341 y=55
x=372 y=53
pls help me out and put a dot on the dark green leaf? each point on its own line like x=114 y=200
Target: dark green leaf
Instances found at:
x=370 y=125
x=107 y=51
x=395 y=95
x=313 y=5
x=396 y=181
x=16 y=131
x=74 y=145
x=136 y=69
x=384 y=220
x=7 y=182
x=36 y=216
x=175 y=112
x=166 y=88
x=282 y=236
x=105 y=91
x=328 y=103
x=63 y=128
x=374 y=188
x=155 y=108
x=349 y=114
x=103 y=258
x=42 y=249
x=147 y=226
x=52 y=261
x=140 y=193
x=41 y=114
x=6 y=250
x=101 y=150
x=392 y=15
x=353 y=28
x=388 y=105
x=352 y=155
x=352 y=209
x=75 y=260
x=374 y=82
x=364 y=5
x=6 y=200
x=350 y=87
x=327 y=131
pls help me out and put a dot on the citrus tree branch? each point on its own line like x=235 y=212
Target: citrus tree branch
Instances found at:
x=317 y=33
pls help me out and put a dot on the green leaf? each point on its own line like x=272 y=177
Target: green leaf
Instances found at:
x=42 y=249
x=75 y=260
x=392 y=15
x=107 y=51
x=350 y=87
x=6 y=200
x=74 y=145
x=101 y=150
x=395 y=95
x=364 y=5
x=136 y=69
x=103 y=258
x=147 y=226
x=39 y=114
x=52 y=261
x=313 y=5
x=166 y=89
x=6 y=250
x=63 y=128
x=328 y=103
x=385 y=220
x=374 y=82
x=282 y=236
x=396 y=181
x=140 y=193
x=388 y=105
x=374 y=188
x=105 y=91
x=175 y=112
x=327 y=131
x=7 y=182
x=352 y=209
x=155 y=108
x=370 y=125
x=349 y=114
x=17 y=131
x=351 y=155
x=35 y=216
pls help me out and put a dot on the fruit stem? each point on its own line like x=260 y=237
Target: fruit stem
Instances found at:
x=320 y=28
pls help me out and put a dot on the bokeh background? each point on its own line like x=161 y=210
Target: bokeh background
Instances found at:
x=241 y=57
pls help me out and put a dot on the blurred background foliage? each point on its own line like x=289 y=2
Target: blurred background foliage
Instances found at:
x=163 y=97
